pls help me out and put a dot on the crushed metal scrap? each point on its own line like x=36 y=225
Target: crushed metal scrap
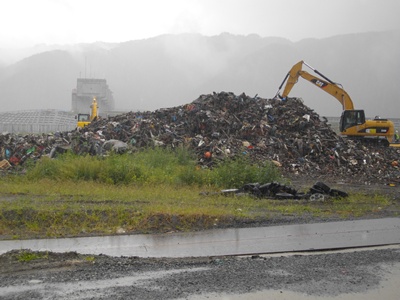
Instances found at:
x=276 y=190
x=221 y=125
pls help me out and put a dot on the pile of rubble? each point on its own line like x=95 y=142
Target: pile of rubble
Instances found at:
x=278 y=190
x=221 y=125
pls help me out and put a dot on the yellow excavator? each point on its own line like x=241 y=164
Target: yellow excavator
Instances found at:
x=86 y=119
x=352 y=121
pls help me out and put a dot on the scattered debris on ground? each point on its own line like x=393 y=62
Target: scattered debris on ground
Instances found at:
x=221 y=125
x=275 y=190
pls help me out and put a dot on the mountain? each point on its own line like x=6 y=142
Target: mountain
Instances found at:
x=171 y=70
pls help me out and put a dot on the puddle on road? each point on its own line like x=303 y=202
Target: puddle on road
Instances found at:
x=73 y=289
x=388 y=290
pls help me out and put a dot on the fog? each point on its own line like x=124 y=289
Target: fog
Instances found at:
x=27 y=23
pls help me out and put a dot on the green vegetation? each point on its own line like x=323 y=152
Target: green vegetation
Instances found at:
x=151 y=166
x=149 y=191
x=27 y=255
x=90 y=258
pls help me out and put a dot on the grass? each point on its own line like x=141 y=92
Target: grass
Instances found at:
x=89 y=208
x=73 y=208
x=28 y=256
x=152 y=166
x=356 y=205
x=149 y=191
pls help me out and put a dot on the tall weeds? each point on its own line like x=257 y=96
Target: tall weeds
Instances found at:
x=151 y=166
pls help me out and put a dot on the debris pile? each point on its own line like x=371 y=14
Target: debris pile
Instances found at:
x=221 y=125
x=276 y=190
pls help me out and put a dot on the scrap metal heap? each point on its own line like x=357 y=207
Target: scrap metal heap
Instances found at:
x=221 y=125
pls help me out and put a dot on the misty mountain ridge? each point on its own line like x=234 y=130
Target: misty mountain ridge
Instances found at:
x=171 y=70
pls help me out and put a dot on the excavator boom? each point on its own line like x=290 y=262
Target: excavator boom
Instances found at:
x=93 y=109
x=328 y=86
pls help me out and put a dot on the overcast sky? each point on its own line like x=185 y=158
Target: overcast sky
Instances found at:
x=30 y=22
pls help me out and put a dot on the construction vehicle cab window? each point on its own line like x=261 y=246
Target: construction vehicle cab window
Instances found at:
x=351 y=118
x=83 y=117
x=353 y=123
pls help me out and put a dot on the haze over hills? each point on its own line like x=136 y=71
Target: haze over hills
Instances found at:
x=171 y=70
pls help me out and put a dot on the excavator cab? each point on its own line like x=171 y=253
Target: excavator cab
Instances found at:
x=83 y=117
x=83 y=120
x=351 y=118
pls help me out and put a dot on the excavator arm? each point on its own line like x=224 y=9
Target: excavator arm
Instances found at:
x=326 y=85
x=93 y=109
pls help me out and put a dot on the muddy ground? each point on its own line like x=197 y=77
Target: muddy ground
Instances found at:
x=75 y=276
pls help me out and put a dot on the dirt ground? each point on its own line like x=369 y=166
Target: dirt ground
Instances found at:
x=71 y=275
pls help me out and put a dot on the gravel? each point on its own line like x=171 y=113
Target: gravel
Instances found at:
x=73 y=276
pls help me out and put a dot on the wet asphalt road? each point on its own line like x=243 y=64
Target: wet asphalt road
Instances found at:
x=235 y=241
